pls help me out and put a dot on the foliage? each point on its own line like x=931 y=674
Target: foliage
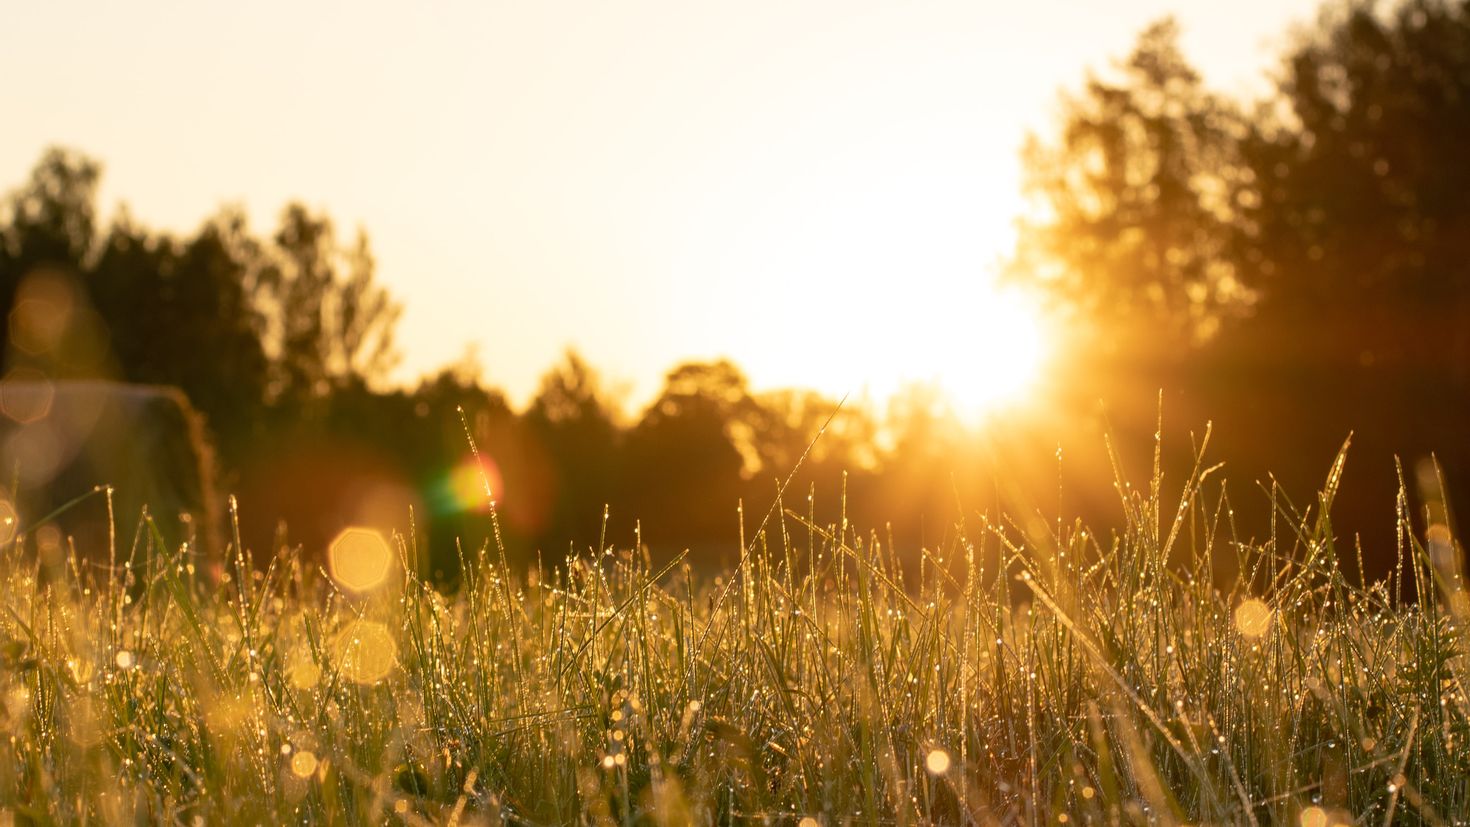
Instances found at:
x=1360 y=179
x=330 y=325
x=1294 y=267
x=1335 y=203
x=239 y=323
x=1137 y=220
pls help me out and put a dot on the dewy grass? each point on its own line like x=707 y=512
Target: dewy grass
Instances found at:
x=1027 y=671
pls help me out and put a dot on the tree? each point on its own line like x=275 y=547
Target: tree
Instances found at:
x=1362 y=197
x=790 y=419
x=1329 y=226
x=698 y=434
x=1136 y=221
x=179 y=314
x=47 y=229
x=160 y=311
x=571 y=393
x=574 y=419
x=51 y=221
x=327 y=323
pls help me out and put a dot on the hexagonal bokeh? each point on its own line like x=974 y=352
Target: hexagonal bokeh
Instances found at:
x=26 y=395
x=366 y=652
x=360 y=559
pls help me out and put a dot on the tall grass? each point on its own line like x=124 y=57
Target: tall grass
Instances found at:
x=1025 y=671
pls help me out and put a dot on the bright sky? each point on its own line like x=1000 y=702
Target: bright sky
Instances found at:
x=816 y=189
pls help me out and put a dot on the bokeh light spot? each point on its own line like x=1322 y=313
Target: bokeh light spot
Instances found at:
x=43 y=309
x=36 y=452
x=366 y=652
x=303 y=763
x=360 y=559
x=9 y=521
x=463 y=488
x=937 y=762
x=26 y=395
x=303 y=673
x=1253 y=618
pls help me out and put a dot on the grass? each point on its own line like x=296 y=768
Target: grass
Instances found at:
x=1027 y=671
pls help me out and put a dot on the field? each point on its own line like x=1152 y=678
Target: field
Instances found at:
x=1027 y=671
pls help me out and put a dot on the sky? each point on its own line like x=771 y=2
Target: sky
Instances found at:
x=819 y=190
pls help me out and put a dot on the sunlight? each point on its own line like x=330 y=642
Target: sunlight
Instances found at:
x=359 y=559
x=985 y=348
x=463 y=487
x=997 y=360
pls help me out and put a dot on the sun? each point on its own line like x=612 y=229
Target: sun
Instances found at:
x=995 y=360
x=982 y=346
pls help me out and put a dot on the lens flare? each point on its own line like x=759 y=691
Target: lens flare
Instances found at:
x=9 y=521
x=303 y=763
x=303 y=673
x=44 y=305
x=1253 y=618
x=26 y=395
x=463 y=488
x=37 y=451
x=360 y=559
x=366 y=652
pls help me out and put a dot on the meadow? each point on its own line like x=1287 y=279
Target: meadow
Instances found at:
x=1026 y=670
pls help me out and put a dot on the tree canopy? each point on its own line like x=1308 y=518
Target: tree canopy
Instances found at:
x=1338 y=201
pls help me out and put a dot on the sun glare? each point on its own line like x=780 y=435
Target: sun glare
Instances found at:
x=998 y=359
x=984 y=348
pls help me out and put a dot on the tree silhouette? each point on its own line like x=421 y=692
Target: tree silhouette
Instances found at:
x=51 y=220
x=702 y=423
x=1361 y=194
x=328 y=324
x=239 y=323
x=202 y=333
x=573 y=417
x=1313 y=250
x=47 y=233
x=1136 y=223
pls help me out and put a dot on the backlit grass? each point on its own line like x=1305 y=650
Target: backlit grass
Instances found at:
x=1027 y=670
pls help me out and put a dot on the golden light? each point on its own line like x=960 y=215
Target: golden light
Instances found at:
x=9 y=521
x=303 y=673
x=1253 y=618
x=366 y=652
x=303 y=763
x=985 y=347
x=985 y=352
x=360 y=559
x=463 y=488
x=937 y=762
x=1000 y=359
x=228 y=715
x=42 y=313
x=37 y=451
x=26 y=395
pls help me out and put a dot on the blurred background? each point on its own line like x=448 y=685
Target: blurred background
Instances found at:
x=648 y=249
